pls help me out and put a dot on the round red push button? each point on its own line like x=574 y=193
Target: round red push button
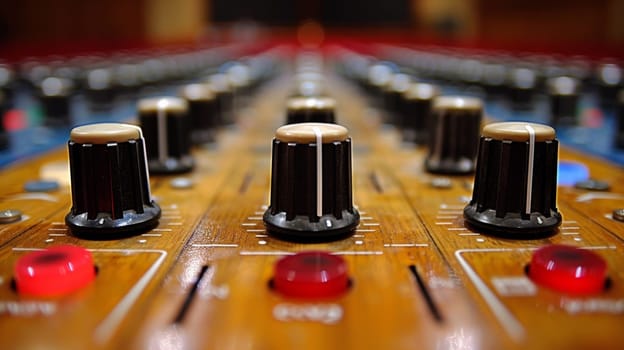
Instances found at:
x=311 y=274
x=568 y=269
x=54 y=271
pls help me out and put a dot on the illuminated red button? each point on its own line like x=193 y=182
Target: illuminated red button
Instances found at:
x=54 y=271
x=568 y=269
x=311 y=274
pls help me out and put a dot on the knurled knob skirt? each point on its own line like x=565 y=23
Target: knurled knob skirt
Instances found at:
x=202 y=112
x=165 y=124
x=515 y=194
x=295 y=213
x=453 y=135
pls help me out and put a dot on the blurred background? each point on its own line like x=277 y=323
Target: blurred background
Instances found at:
x=45 y=25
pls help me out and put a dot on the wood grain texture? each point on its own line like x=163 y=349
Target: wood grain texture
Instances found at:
x=144 y=281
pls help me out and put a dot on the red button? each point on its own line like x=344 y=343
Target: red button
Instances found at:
x=54 y=271
x=311 y=274
x=568 y=269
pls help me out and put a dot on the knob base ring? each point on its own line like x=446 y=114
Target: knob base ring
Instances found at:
x=327 y=228
x=104 y=227
x=512 y=225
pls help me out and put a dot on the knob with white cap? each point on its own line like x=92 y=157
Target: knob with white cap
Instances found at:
x=311 y=195
x=203 y=114
x=515 y=186
x=564 y=100
x=164 y=121
x=415 y=114
x=55 y=95
x=109 y=182
x=453 y=134
x=310 y=109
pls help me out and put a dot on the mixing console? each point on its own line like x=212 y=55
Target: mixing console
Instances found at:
x=525 y=88
x=389 y=213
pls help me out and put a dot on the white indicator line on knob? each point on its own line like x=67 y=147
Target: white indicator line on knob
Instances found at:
x=529 y=189
x=319 y=171
x=162 y=130
x=149 y=191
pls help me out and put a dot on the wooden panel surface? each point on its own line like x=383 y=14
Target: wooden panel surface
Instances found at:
x=144 y=281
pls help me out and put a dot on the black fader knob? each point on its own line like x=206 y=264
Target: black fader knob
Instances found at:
x=164 y=121
x=4 y=134
x=392 y=95
x=522 y=84
x=494 y=77
x=619 y=134
x=564 y=99
x=610 y=79
x=127 y=79
x=7 y=87
x=515 y=186
x=311 y=194
x=454 y=134
x=310 y=109
x=203 y=115
x=100 y=90
x=224 y=92
x=418 y=100
x=54 y=95
x=109 y=182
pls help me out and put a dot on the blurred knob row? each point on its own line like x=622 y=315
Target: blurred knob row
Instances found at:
x=407 y=81
x=61 y=89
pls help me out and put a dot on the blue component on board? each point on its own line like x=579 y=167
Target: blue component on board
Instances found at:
x=571 y=172
x=41 y=186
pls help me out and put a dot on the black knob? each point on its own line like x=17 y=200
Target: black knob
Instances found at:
x=34 y=73
x=515 y=185
x=239 y=76
x=311 y=195
x=203 y=115
x=521 y=86
x=164 y=121
x=494 y=77
x=416 y=110
x=7 y=87
x=619 y=136
x=454 y=134
x=379 y=75
x=610 y=79
x=224 y=92
x=100 y=91
x=69 y=72
x=564 y=98
x=310 y=109
x=393 y=96
x=54 y=95
x=109 y=182
x=127 y=79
